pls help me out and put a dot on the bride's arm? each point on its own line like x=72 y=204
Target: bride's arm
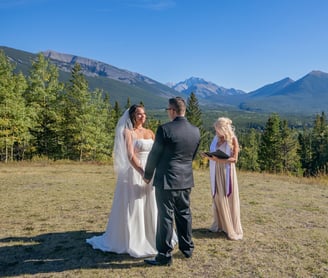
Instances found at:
x=135 y=162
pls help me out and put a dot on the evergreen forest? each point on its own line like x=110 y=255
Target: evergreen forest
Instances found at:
x=43 y=118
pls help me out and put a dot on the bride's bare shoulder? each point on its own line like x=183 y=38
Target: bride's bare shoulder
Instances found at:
x=149 y=134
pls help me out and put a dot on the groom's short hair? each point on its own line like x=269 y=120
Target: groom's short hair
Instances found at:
x=178 y=104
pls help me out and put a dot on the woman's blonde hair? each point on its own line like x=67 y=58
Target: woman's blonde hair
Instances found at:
x=224 y=126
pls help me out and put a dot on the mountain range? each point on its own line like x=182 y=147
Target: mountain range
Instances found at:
x=307 y=95
x=202 y=88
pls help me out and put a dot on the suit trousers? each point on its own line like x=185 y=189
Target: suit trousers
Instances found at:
x=173 y=205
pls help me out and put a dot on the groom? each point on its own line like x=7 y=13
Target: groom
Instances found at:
x=175 y=146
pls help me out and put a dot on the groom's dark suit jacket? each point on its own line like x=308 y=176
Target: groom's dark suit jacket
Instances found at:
x=175 y=147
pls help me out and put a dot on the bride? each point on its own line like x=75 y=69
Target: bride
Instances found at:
x=131 y=226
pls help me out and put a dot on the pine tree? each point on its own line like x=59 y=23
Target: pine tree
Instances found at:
x=23 y=120
x=128 y=103
x=193 y=112
x=194 y=116
x=42 y=99
x=319 y=146
x=76 y=102
x=13 y=115
x=305 y=152
x=99 y=141
x=111 y=122
x=248 y=157
x=270 y=146
x=289 y=150
x=117 y=112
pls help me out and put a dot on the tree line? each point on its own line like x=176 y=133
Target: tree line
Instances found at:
x=280 y=149
x=43 y=117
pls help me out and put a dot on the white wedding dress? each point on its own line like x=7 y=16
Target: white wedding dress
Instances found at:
x=131 y=226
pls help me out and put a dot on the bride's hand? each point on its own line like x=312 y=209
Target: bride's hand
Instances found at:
x=146 y=181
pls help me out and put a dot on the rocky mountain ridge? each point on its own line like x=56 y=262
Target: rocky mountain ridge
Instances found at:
x=202 y=88
x=95 y=68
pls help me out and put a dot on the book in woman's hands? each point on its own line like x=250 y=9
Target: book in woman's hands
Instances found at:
x=218 y=153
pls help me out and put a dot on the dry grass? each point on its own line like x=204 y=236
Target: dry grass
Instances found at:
x=48 y=210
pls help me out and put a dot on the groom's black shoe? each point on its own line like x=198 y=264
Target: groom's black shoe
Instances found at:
x=158 y=261
x=187 y=254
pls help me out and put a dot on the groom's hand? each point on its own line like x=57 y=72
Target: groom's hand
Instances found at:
x=146 y=180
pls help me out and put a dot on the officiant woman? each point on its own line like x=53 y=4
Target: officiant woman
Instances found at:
x=224 y=183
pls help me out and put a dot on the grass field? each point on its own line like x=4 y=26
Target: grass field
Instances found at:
x=47 y=210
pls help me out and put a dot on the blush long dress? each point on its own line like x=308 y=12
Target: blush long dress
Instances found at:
x=225 y=193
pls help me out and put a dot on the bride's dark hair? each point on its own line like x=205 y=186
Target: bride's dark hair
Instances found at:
x=132 y=112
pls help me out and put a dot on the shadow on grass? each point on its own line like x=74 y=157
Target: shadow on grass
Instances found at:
x=57 y=252
x=206 y=233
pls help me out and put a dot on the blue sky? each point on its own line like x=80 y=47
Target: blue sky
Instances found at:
x=241 y=44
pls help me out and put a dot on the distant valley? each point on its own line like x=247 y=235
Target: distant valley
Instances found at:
x=307 y=95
